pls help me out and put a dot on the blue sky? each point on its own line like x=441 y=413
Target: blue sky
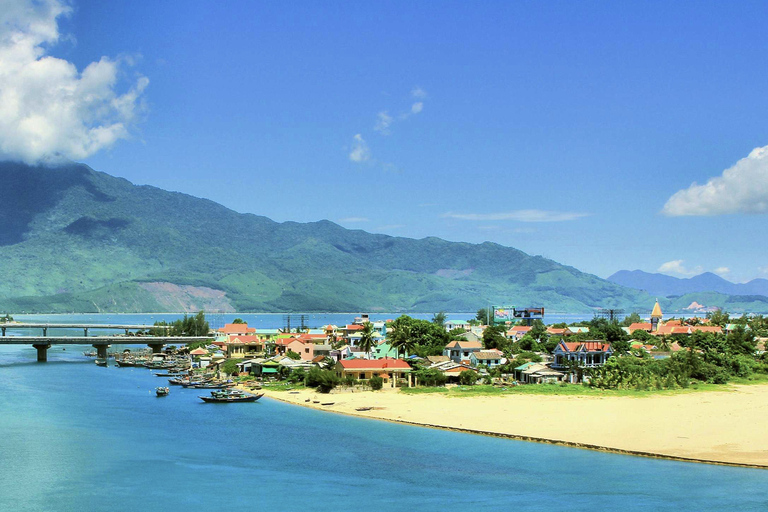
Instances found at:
x=559 y=128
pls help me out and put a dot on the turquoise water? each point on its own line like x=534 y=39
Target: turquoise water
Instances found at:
x=76 y=437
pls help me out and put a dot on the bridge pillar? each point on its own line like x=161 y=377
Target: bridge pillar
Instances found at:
x=101 y=351
x=156 y=348
x=85 y=331
x=42 y=351
x=45 y=331
x=3 y=331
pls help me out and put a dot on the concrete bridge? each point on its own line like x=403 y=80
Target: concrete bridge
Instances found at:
x=84 y=327
x=100 y=343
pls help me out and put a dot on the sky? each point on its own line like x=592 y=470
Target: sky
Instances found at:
x=603 y=135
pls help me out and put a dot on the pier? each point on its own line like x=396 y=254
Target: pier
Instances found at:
x=100 y=343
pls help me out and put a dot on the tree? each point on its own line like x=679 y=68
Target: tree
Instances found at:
x=493 y=337
x=632 y=318
x=538 y=331
x=439 y=319
x=323 y=380
x=230 y=366
x=719 y=317
x=468 y=377
x=400 y=338
x=367 y=335
x=293 y=355
x=641 y=335
x=238 y=321
x=484 y=316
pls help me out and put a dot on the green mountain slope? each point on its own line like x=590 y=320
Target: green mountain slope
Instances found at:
x=73 y=239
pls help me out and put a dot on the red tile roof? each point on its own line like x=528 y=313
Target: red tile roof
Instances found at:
x=250 y=338
x=354 y=327
x=640 y=326
x=374 y=364
x=236 y=329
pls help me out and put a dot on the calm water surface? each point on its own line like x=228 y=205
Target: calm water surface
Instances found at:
x=76 y=437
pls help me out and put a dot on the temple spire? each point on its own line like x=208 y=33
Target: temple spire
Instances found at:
x=656 y=316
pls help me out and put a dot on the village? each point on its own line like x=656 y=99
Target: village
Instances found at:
x=376 y=354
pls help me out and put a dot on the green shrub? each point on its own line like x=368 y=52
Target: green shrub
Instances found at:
x=376 y=383
x=468 y=378
x=323 y=380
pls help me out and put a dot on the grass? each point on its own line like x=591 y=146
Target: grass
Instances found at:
x=578 y=389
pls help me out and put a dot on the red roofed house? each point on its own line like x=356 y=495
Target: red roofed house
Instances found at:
x=640 y=326
x=237 y=329
x=556 y=331
x=585 y=353
x=387 y=369
x=245 y=346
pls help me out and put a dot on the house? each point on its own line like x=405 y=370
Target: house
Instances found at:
x=451 y=369
x=237 y=330
x=585 y=354
x=457 y=324
x=437 y=359
x=556 y=331
x=490 y=358
x=384 y=350
x=537 y=373
x=245 y=347
x=577 y=330
x=640 y=326
x=460 y=350
x=387 y=369
x=518 y=331
x=305 y=350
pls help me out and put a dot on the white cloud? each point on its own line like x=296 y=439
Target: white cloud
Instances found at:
x=417 y=107
x=520 y=216
x=741 y=189
x=354 y=219
x=677 y=267
x=722 y=271
x=418 y=92
x=383 y=121
x=48 y=109
x=360 y=152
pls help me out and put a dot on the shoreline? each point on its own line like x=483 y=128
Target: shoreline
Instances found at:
x=452 y=413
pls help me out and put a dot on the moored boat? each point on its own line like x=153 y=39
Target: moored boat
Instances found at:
x=101 y=362
x=230 y=396
x=162 y=391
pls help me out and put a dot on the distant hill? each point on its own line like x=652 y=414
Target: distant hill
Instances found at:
x=73 y=239
x=666 y=286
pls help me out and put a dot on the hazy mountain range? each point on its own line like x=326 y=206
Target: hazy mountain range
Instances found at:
x=74 y=239
x=666 y=286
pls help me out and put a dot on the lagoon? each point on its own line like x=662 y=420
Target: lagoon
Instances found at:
x=77 y=437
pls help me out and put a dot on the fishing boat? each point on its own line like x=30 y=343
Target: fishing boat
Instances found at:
x=101 y=361
x=230 y=395
x=162 y=391
x=129 y=363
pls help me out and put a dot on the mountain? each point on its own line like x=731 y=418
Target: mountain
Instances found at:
x=667 y=286
x=74 y=239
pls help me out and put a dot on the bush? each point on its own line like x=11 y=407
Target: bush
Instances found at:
x=430 y=377
x=297 y=375
x=323 y=380
x=350 y=381
x=376 y=383
x=468 y=378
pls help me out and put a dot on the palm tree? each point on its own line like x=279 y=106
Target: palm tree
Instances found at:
x=400 y=339
x=367 y=337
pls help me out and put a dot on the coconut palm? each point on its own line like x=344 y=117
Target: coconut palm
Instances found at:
x=401 y=339
x=367 y=340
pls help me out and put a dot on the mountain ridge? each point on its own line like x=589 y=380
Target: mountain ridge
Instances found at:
x=667 y=286
x=76 y=239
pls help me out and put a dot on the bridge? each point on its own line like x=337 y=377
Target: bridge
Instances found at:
x=100 y=343
x=84 y=327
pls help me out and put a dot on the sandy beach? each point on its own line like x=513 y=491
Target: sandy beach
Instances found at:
x=725 y=427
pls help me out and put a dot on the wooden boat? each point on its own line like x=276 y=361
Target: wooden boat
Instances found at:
x=162 y=391
x=239 y=396
x=101 y=362
x=125 y=363
x=327 y=403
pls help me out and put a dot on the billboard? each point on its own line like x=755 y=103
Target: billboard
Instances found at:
x=503 y=313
